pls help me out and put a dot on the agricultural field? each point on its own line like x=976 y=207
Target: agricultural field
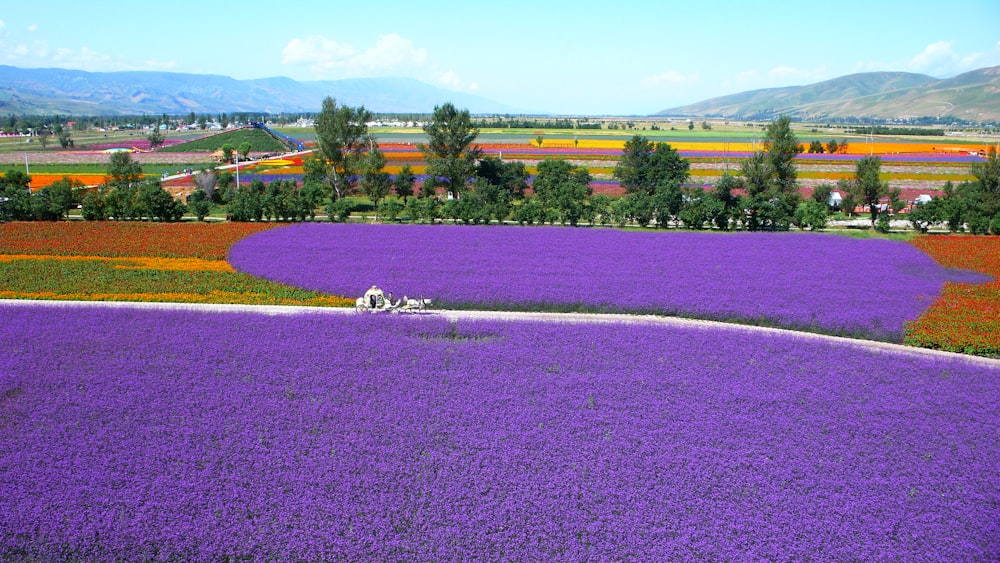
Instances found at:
x=259 y=141
x=916 y=166
x=179 y=435
x=113 y=261
x=966 y=318
x=790 y=280
x=162 y=433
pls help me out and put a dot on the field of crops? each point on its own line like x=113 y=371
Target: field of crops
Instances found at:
x=967 y=316
x=914 y=168
x=151 y=434
x=156 y=435
x=827 y=283
x=115 y=261
x=259 y=141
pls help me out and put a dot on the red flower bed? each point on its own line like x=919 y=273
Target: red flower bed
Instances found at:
x=108 y=238
x=966 y=318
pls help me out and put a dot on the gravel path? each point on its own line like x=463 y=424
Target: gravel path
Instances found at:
x=514 y=316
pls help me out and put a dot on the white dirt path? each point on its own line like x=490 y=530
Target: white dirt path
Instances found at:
x=885 y=347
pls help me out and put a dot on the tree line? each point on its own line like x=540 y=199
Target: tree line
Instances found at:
x=127 y=195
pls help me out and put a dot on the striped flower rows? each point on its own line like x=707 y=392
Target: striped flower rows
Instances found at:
x=966 y=318
x=115 y=261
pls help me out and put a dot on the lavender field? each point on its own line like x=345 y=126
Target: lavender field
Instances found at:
x=159 y=435
x=825 y=283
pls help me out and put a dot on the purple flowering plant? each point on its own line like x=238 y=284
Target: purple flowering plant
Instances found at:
x=139 y=435
x=825 y=283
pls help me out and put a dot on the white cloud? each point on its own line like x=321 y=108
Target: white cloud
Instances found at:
x=940 y=59
x=328 y=58
x=2 y=25
x=449 y=79
x=40 y=53
x=33 y=27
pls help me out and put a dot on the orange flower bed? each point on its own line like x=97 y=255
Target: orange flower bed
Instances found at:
x=178 y=297
x=966 y=318
x=137 y=263
x=42 y=179
x=107 y=261
x=133 y=239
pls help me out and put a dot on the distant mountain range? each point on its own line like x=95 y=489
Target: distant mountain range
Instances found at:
x=972 y=96
x=51 y=90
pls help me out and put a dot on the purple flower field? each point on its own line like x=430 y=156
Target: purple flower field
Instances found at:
x=168 y=435
x=826 y=283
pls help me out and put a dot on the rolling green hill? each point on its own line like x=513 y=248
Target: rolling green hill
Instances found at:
x=972 y=96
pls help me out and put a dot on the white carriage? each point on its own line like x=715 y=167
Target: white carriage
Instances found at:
x=375 y=300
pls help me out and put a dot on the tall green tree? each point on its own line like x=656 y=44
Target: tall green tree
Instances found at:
x=199 y=203
x=342 y=137
x=771 y=179
x=15 y=196
x=121 y=191
x=154 y=203
x=123 y=171
x=563 y=188
x=59 y=197
x=782 y=146
x=988 y=176
x=652 y=175
x=155 y=138
x=450 y=153
x=867 y=186
x=404 y=182
x=727 y=213
x=43 y=137
x=510 y=176
x=645 y=166
x=376 y=183
x=65 y=139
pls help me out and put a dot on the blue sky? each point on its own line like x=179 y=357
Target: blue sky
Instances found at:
x=572 y=57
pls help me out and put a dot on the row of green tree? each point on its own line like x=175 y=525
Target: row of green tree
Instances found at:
x=508 y=122
x=482 y=189
x=884 y=130
x=25 y=124
x=970 y=206
x=763 y=196
x=125 y=196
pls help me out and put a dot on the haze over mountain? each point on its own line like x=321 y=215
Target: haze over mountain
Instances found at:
x=972 y=96
x=52 y=90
